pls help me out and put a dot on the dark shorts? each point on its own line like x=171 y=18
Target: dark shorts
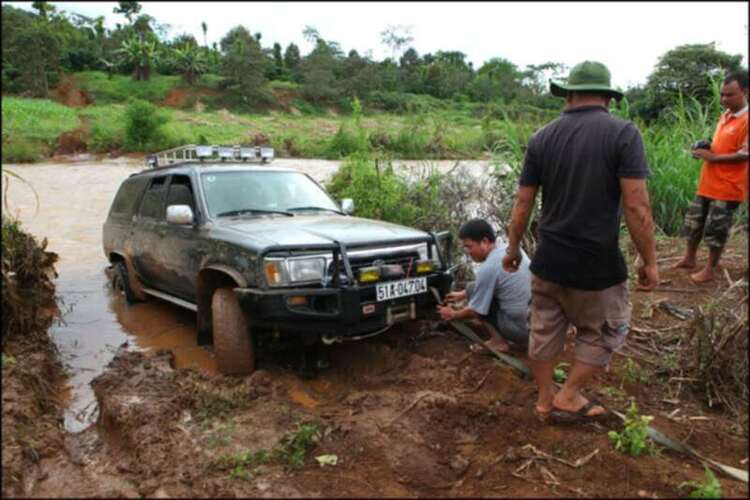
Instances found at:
x=601 y=318
x=710 y=219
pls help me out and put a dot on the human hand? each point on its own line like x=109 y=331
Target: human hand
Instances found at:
x=512 y=259
x=446 y=312
x=648 y=277
x=455 y=296
x=703 y=154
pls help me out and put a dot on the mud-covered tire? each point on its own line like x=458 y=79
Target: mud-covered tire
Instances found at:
x=121 y=282
x=233 y=339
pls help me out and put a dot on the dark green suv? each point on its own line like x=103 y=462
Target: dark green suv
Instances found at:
x=264 y=255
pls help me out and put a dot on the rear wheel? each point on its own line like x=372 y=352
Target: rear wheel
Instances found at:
x=233 y=339
x=121 y=282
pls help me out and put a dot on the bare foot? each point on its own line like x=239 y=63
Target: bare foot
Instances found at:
x=704 y=275
x=498 y=344
x=685 y=264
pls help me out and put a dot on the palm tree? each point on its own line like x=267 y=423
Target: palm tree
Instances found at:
x=204 y=27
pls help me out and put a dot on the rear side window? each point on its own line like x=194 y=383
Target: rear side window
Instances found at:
x=152 y=205
x=127 y=196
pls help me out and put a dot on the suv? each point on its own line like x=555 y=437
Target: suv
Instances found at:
x=264 y=255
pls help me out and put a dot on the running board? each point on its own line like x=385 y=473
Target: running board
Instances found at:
x=173 y=300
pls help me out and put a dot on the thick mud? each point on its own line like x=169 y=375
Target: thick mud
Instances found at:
x=409 y=413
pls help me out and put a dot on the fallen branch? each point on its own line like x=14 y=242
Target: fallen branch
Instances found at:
x=408 y=408
x=479 y=385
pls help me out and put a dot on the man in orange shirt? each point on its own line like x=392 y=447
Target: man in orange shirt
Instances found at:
x=723 y=183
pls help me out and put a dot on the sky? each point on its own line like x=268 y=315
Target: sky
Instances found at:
x=629 y=37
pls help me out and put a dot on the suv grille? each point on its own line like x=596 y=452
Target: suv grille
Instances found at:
x=404 y=259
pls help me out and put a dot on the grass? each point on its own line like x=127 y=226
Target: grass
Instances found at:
x=120 y=88
x=31 y=127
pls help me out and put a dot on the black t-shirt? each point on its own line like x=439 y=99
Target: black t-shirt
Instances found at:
x=578 y=160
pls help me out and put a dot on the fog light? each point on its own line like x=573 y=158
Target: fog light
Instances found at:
x=369 y=274
x=297 y=300
x=424 y=266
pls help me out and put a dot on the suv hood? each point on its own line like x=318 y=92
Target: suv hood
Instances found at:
x=313 y=229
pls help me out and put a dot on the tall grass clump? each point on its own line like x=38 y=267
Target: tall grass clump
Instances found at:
x=675 y=171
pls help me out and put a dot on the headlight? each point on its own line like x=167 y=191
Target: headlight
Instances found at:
x=302 y=270
x=286 y=272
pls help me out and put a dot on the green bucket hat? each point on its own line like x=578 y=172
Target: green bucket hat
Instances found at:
x=588 y=75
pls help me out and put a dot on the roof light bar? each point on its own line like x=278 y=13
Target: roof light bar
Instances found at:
x=266 y=154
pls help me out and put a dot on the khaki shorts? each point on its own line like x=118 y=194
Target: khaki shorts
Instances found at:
x=601 y=318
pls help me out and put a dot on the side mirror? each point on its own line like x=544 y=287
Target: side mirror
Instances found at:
x=347 y=206
x=179 y=214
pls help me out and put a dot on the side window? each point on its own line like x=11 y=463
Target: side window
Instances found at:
x=181 y=192
x=127 y=196
x=152 y=205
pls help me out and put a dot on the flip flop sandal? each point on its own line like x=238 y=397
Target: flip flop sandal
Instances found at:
x=576 y=417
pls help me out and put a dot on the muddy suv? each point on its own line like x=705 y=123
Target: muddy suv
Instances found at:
x=264 y=255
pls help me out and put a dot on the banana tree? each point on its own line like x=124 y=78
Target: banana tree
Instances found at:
x=191 y=62
x=141 y=54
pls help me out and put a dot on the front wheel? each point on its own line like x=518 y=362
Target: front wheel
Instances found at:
x=121 y=283
x=233 y=339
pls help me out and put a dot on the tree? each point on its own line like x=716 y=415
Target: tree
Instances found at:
x=278 y=62
x=292 y=61
x=204 y=28
x=128 y=9
x=318 y=73
x=190 y=62
x=498 y=78
x=396 y=37
x=244 y=64
x=686 y=70
x=141 y=55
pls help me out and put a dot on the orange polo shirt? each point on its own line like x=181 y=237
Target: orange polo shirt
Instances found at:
x=727 y=181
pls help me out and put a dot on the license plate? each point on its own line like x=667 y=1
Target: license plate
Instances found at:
x=403 y=288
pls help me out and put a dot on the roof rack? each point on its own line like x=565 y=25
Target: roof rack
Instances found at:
x=199 y=154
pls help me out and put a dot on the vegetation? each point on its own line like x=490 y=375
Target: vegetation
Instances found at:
x=710 y=488
x=408 y=106
x=633 y=439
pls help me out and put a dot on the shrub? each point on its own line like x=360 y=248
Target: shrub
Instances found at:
x=633 y=439
x=143 y=123
x=711 y=488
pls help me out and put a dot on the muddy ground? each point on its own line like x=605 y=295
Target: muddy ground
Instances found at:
x=409 y=413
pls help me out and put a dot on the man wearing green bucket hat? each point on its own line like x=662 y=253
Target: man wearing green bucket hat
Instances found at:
x=591 y=167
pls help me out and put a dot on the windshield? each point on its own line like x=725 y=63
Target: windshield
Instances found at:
x=254 y=192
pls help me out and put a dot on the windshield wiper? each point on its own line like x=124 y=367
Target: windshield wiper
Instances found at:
x=313 y=208
x=252 y=211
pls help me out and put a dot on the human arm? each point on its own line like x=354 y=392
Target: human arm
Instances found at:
x=519 y=220
x=637 y=209
x=455 y=296
x=737 y=158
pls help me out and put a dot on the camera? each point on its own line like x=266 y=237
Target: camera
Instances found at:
x=702 y=144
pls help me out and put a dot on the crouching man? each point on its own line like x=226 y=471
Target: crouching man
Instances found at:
x=499 y=298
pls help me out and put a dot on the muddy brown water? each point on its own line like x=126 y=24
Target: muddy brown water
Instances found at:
x=74 y=196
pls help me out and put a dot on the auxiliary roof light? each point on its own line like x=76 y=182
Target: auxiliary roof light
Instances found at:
x=247 y=153
x=226 y=152
x=204 y=151
x=266 y=154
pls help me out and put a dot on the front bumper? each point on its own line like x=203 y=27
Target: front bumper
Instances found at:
x=344 y=311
